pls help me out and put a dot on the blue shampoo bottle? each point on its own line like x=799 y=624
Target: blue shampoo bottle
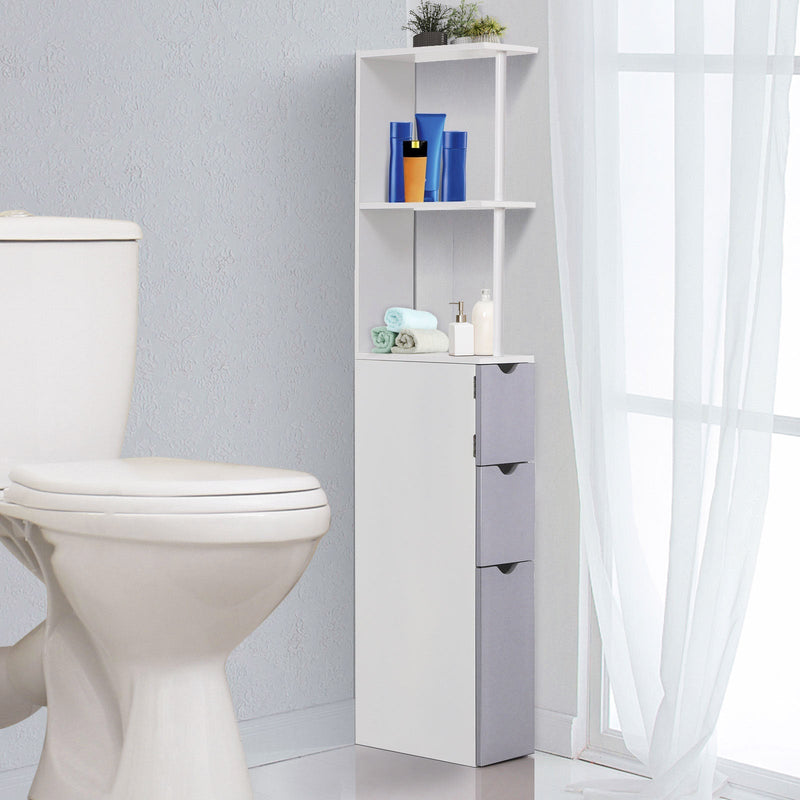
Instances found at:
x=454 y=165
x=398 y=132
x=430 y=127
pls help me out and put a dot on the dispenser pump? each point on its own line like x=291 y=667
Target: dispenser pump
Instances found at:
x=460 y=316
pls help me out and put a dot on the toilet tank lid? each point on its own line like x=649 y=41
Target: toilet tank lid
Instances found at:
x=159 y=477
x=19 y=226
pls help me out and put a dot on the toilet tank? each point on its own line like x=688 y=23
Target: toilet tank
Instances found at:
x=68 y=314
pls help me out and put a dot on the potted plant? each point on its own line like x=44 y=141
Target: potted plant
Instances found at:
x=461 y=18
x=429 y=22
x=486 y=29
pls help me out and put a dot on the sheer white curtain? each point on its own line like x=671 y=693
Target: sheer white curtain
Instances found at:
x=670 y=630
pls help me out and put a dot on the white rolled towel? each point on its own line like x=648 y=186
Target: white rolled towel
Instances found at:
x=417 y=340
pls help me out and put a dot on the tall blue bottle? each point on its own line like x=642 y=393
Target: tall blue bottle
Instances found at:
x=398 y=132
x=454 y=165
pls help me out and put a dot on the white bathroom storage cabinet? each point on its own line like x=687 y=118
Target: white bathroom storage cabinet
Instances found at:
x=444 y=451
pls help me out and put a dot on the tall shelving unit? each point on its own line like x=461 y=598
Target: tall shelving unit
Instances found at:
x=444 y=445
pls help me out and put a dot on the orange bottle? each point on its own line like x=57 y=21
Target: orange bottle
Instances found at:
x=415 y=162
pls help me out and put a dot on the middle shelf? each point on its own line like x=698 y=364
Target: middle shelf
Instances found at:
x=463 y=205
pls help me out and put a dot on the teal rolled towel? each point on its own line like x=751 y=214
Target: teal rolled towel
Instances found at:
x=383 y=339
x=397 y=319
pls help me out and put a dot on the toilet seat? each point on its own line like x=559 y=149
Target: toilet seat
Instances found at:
x=140 y=504
x=158 y=477
x=167 y=499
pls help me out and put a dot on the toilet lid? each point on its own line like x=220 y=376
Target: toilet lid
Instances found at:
x=162 y=486
x=159 y=477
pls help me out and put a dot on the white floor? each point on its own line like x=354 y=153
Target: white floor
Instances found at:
x=362 y=773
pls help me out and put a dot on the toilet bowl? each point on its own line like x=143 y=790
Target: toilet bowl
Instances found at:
x=166 y=565
x=155 y=568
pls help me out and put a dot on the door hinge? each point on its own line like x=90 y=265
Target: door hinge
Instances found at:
x=474 y=446
x=474 y=387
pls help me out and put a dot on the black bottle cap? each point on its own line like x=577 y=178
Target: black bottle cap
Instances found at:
x=415 y=148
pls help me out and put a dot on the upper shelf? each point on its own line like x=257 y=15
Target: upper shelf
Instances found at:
x=444 y=205
x=448 y=52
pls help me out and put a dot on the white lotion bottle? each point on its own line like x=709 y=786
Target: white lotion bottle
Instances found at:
x=483 y=322
x=461 y=333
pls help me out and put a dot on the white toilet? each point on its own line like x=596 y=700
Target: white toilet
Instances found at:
x=155 y=568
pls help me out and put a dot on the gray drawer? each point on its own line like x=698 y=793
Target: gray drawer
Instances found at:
x=504 y=514
x=504 y=413
x=505 y=705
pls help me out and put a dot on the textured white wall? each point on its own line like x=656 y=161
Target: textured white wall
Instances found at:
x=225 y=128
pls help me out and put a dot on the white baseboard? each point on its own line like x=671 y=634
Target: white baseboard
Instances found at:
x=265 y=740
x=298 y=733
x=555 y=732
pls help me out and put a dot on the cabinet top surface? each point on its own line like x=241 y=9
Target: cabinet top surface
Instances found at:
x=445 y=358
x=447 y=52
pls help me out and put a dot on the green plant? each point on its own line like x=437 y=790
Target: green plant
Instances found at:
x=428 y=16
x=461 y=17
x=485 y=26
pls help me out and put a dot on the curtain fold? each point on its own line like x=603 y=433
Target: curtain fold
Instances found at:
x=670 y=632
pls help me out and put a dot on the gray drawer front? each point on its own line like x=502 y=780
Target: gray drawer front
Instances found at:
x=504 y=408
x=504 y=514
x=505 y=705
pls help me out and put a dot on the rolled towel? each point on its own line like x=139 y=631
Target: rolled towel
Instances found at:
x=416 y=340
x=383 y=339
x=397 y=319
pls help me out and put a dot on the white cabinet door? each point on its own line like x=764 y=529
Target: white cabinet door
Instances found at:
x=415 y=559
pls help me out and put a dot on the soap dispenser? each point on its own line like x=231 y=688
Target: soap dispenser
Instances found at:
x=483 y=322
x=461 y=333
